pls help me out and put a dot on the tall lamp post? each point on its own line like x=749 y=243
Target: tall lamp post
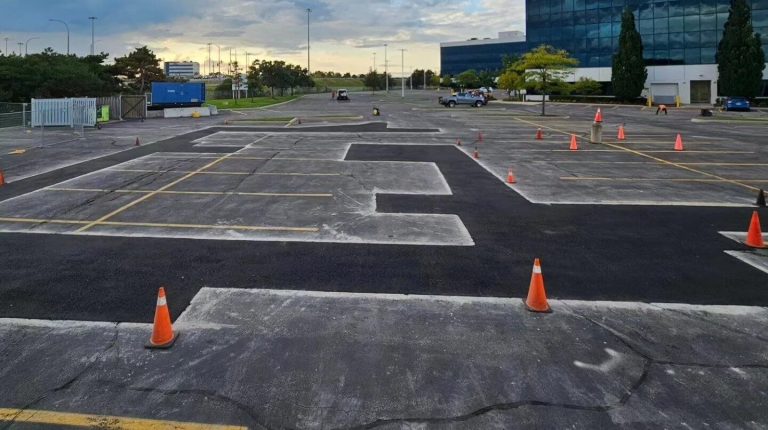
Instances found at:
x=402 y=72
x=6 y=46
x=386 y=69
x=93 y=34
x=309 y=11
x=26 y=45
x=67 y=27
x=209 y=58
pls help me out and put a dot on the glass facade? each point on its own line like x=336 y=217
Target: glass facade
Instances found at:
x=673 y=31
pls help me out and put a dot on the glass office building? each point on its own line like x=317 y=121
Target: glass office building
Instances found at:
x=680 y=39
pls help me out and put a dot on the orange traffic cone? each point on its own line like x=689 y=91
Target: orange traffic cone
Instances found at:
x=539 y=134
x=574 y=144
x=162 y=331
x=511 y=177
x=621 y=132
x=598 y=116
x=2 y=178
x=476 y=154
x=755 y=234
x=679 y=143
x=458 y=142
x=137 y=142
x=537 y=297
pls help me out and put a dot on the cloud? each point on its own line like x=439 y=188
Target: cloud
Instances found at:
x=344 y=33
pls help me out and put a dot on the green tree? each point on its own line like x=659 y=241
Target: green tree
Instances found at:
x=141 y=67
x=544 y=67
x=435 y=81
x=629 y=72
x=486 y=79
x=447 y=81
x=740 y=57
x=586 y=87
x=468 y=79
x=510 y=80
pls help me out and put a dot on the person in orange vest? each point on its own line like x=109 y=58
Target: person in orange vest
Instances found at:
x=661 y=108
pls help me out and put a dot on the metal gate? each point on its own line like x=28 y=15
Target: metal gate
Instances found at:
x=64 y=112
x=133 y=107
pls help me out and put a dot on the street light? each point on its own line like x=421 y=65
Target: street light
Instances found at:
x=26 y=45
x=93 y=32
x=309 y=11
x=402 y=72
x=386 y=69
x=67 y=27
x=6 y=46
x=209 y=58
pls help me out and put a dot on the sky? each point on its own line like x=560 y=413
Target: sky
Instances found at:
x=344 y=34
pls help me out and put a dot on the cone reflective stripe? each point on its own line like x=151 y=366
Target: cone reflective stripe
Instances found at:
x=539 y=134
x=537 y=297
x=755 y=233
x=598 y=116
x=621 y=132
x=162 y=331
x=679 y=143
x=574 y=144
x=511 y=177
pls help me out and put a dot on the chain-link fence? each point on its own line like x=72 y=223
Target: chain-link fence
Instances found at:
x=14 y=114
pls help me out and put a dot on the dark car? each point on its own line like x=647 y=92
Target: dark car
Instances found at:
x=343 y=95
x=737 y=103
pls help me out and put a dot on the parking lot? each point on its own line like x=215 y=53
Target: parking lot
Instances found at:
x=369 y=274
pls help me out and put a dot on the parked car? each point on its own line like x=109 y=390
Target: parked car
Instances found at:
x=737 y=103
x=342 y=95
x=463 y=99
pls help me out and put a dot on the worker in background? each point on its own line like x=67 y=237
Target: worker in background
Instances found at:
x=661 y=108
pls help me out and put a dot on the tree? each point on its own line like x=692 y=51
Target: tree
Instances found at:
x=629 y=72
x=447 y=81
x=486 y=79
x=417 y=77
x=510 y=80
x=586 y=87
x=544 y=66
x=468 y=79
x=740 y=57
x=141 y=67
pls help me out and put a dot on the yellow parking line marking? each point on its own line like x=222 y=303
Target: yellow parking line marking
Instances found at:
x=102 y=421
x=17 y=152
x=660 y=160
x=196 y=172
x=586 y=150
x=205 y=193
x=164 y=225
x=723 y=164
x=587 y=178
x=147 y=196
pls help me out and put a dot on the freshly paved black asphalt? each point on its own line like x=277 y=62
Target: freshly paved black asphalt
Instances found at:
x=634 y=253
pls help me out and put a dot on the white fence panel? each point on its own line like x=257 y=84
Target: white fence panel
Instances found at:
x=64 y=112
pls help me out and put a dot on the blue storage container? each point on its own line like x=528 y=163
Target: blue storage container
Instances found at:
x=173 y=94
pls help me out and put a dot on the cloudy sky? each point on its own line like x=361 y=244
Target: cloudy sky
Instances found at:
x=344 y=33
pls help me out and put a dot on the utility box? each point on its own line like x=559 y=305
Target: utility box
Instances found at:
x=173 y=94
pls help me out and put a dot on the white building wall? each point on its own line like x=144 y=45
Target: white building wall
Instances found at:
x=662 y=76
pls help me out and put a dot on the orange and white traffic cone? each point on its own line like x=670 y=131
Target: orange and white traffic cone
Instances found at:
x=137 y=142
x=574 y=144
x=537 y=297
x=511 y=177
x=679 y=143
x=539 y=134
x=755 y=233
x=163 y=336
x=476 y=154
x=2 y=178
x=598 y=116
x=458 y=142
x=621 y=133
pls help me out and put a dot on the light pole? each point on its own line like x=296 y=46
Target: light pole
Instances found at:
x=67 y=27
x=374 y=63
x=6 y=46
x=209 y=58
x=93 y=34
x=219 y=62
x=21 y=47
x=26 y=45
x=402 y=72
x=309 y=11
x=386 y=69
